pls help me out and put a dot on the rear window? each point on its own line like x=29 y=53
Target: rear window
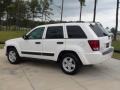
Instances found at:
x=99 y=30
x=75 y=32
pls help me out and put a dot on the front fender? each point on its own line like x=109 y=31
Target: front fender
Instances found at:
x=7 y=44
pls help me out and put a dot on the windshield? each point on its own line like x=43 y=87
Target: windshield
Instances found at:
x=99 y=30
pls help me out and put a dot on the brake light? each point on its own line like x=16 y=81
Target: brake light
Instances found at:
x=94 y=44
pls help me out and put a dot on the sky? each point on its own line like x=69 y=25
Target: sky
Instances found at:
x=106 y=11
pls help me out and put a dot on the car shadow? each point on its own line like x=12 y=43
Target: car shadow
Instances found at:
x=40 y=63
x=54 y=66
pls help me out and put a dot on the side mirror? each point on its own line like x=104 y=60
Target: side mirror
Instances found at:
x=25 y=37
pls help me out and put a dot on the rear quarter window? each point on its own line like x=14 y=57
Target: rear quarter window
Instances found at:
x=75 y=32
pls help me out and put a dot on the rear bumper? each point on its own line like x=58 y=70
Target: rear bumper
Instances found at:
x=108 y=51
x=98 y=57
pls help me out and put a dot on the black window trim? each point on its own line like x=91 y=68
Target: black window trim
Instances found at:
x=75 y=38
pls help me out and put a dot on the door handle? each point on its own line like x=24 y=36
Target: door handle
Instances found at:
x=60 y=43
x=37 y=42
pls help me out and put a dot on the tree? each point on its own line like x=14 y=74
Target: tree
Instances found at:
x=46 y=10
x=34 y=8
x=113 y=31
x=40 y=8
x=82 y=3
x=95 y=5
x=3 y=5
x=17 y=11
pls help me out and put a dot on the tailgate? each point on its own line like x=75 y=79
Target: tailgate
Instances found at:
x=105 y=43
x=103 y=36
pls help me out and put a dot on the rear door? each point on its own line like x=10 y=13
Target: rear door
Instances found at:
x=54 y=42
x=103 y=35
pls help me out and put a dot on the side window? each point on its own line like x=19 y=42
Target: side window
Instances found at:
x=54 y=32
x=37 y=33
x=75 y=32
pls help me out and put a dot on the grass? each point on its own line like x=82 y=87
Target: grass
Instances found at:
x=1 y=46
x=116 y=56
x=116 y=44
x=5 y=35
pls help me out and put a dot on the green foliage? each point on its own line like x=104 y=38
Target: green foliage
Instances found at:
x=3 y=5
x=113 y=30
x=1 y=46
x=39 y=9
x=116 y=56
x=5 y=35
x=35 y=8
x=82 y=2
x=45 y=8
x=18 y=11
x=116 y=44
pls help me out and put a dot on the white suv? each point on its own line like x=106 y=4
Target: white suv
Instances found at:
x=70 y=44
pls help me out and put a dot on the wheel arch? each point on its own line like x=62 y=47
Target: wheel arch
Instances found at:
x=8 y=47
x=68 y=51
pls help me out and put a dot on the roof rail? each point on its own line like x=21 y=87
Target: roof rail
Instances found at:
x=77 y=22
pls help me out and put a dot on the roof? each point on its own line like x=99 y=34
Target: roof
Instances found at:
x=68 y=23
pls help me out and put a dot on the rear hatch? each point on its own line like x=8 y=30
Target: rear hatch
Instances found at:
x=103 y=36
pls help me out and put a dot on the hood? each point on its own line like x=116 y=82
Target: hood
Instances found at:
x=14 y=40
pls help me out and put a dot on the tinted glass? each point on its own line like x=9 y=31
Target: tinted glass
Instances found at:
x=75 y=32
x=99 y=30
x=37 y=33
x=54 y=32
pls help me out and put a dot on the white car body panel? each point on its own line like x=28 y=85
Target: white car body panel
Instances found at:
x=50 y=46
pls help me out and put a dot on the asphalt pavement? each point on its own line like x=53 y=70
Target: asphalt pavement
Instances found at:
x=45 y=75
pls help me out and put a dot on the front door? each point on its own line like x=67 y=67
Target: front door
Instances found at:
x=32 y=46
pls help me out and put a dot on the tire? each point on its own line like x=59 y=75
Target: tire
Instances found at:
x=13 y=56
x=70 y=63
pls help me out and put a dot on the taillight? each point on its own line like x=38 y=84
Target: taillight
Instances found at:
x=94 y=44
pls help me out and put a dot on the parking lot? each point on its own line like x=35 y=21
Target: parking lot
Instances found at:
x=44 y=75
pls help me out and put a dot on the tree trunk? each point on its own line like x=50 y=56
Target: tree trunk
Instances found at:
x=116 y=27
x=94 y=17
x=0 y=23
x=62 y=10
x=80 y=12
x=45 y=17
x=33 y=16
x=7 y=22
x=42 y=16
